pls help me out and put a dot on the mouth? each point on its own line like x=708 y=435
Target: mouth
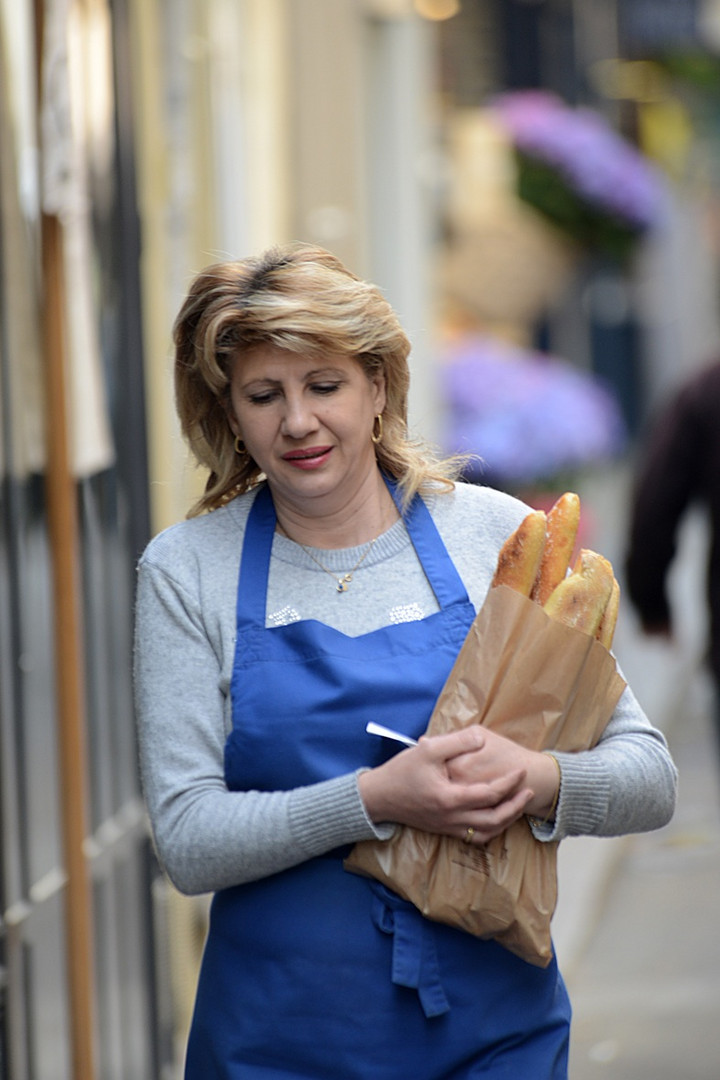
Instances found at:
x=308 y=457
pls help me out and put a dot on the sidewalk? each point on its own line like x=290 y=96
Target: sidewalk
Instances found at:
x=646 y=989
x=636 y=924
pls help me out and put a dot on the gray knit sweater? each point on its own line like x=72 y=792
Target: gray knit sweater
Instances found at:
x=210 y=838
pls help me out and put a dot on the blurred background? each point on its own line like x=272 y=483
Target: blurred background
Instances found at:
x=535 y=185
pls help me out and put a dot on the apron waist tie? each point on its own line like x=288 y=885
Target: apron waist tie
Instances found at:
x=414 y=956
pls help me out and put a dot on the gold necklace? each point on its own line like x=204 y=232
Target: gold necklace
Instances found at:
x=343 y=582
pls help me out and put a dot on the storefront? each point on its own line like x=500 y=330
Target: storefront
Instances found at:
x=79 y=975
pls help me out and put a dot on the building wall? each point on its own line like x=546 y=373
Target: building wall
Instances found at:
x=77 y=971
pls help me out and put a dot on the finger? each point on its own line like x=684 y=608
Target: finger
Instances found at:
x=492 y=760
x=454 y=743
x=484 y=804
x=484 y=826
x=488 y=795
x=506 y=786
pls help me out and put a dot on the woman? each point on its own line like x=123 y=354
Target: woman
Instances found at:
x=332 y=585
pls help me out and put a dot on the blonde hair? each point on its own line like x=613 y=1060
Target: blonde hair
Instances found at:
x=300 y=298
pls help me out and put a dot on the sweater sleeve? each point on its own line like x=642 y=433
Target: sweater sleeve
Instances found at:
x=625 y=784
x=666 y=482
x=206 y=836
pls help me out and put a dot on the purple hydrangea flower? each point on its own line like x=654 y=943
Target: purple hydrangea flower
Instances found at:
x=529 y=416
x=597 y=163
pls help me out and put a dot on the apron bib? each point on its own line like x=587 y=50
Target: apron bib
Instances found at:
x=318 y=973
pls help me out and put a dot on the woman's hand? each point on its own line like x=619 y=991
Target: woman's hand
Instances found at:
x=471 y=778
x=499 y=755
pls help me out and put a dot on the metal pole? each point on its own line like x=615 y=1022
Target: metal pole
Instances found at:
x=68 y=664
x=62 y=518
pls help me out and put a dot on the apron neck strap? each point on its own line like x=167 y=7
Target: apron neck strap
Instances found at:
x=439 y=568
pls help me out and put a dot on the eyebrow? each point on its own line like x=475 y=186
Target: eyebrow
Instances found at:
x=265 y=380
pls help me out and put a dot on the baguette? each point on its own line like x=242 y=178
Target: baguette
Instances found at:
x=562 y=527
x=520 y=556
x=581 y=599
x=606 y=631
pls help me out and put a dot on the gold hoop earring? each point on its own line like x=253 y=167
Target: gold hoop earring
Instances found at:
x=376 y=435
x=239 y=445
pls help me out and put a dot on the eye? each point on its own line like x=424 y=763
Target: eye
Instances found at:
x=262 y=397
x=325 y=387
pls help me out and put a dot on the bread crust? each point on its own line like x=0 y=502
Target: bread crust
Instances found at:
x=520 y=556
x=563 y=520
x=581 y=599
x=606 y=632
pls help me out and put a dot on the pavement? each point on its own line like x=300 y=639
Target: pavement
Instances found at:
x=636 y=927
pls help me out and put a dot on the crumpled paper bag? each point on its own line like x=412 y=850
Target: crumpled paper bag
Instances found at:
x=547 y=686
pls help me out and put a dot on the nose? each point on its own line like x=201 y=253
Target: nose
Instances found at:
x=299 y=418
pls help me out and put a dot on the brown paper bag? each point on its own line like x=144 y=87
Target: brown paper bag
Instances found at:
x=546 y=686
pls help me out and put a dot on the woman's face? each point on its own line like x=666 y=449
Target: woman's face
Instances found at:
x=307 y=422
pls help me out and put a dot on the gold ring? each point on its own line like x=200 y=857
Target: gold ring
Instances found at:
x=470 y=832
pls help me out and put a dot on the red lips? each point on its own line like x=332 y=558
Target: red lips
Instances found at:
x=308 y=457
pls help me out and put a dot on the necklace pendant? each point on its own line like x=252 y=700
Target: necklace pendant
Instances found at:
x=343 y=582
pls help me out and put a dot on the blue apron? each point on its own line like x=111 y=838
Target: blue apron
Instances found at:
x=318 y=973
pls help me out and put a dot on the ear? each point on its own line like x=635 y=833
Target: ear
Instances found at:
x=231 y=418
x=379 y=392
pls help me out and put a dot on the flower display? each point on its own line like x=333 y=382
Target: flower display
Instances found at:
x=578 y=172
x=528 y=416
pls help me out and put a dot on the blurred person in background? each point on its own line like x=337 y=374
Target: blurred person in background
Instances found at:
x=679 y=467
x=327 y=578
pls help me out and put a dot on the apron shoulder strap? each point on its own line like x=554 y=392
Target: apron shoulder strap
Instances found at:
x=255 y=560
x=439 y=568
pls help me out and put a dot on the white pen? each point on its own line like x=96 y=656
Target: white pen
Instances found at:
x=387 y=733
